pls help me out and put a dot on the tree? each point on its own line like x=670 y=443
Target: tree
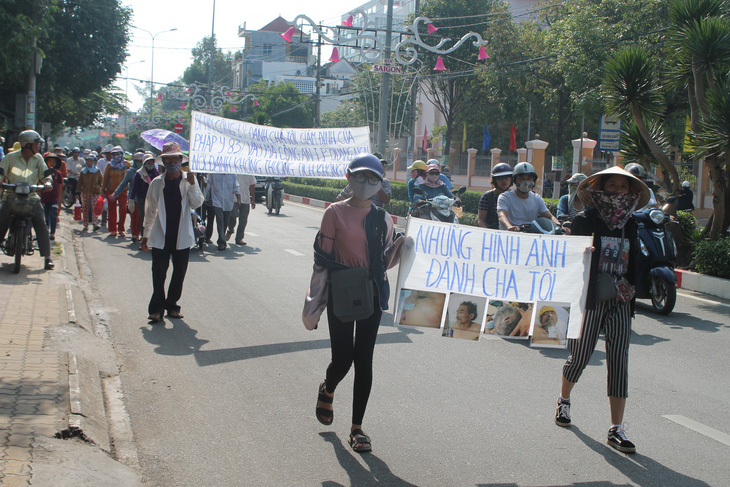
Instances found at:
x=284 y=104
x=449 y=93
x=74 y=86
x=221 y=65
x=348 y=114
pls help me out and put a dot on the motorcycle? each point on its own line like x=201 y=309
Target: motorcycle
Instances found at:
x=544 y=226
x=439 y=208
x=274 y=194
x=19 y=241
x=656 y=279
x=68 y=198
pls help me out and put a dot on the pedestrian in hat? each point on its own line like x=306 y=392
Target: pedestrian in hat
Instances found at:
x=125 y=186
x=354 y=234
x=89 y=188
x=611 y=196
x=50 y=199
x=168 y=230
x=381 y=198
x=117 y=206
x=140 y=184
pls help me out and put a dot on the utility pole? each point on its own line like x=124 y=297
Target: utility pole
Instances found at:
x=318 y=81
x=210 y=61
x=414 y=95
x=383 y=117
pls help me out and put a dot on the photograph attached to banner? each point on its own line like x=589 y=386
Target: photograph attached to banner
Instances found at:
x=509 y=319
x=465 y=316
x=421 y=308
x=550 y=328
x=499 y=266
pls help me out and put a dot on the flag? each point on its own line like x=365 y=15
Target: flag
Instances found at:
x=463 y=139
x=425 y=139
x=513 y=138
x=486 y=138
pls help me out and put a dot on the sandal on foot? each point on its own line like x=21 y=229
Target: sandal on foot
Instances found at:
x=324 y=416
x=359 y=441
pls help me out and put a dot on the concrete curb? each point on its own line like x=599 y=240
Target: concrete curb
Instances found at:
x=691 y=281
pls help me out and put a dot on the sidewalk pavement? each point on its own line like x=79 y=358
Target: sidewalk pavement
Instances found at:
x=36 y=402
x=691 y=281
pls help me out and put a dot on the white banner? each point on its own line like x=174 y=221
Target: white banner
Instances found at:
x=231 y=146
x=534 y=273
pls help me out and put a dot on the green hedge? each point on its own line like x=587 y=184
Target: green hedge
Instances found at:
x=713 y=258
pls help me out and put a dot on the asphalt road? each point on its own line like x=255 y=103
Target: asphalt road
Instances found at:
x=226 y=396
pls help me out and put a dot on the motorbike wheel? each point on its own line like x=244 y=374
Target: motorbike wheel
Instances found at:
x=665 y=298
x=19 y=250
x=277 y=203
x=68 y=198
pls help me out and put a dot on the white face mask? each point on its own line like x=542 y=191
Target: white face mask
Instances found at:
x=364 y=190
x=525 y=186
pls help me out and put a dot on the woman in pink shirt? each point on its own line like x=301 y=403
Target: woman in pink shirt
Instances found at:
x=353 y=234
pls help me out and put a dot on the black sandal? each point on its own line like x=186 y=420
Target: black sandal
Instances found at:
x=360 y=442
x=324 y=416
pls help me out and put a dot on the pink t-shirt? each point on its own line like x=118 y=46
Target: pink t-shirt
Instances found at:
x=343 y=229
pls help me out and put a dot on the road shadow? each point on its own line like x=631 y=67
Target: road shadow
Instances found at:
x=641 y=469
x=205 y=358
x=376 y=473
x=698 y=323
x=177 y=340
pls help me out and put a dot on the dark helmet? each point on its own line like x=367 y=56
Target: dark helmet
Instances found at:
x=366 y=162
x=501 y=169
x=637 y=170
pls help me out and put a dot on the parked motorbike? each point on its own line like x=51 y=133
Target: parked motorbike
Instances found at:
x=439 y=208
x=19 y=240
x=656 y=279
x=68 y=198
x=274 y=194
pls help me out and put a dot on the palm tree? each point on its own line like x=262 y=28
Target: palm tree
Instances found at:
x=630 y=90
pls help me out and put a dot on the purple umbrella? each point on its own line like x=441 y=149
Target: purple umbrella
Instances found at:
x=159 y=137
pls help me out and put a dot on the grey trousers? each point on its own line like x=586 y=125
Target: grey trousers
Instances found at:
x=240 y=214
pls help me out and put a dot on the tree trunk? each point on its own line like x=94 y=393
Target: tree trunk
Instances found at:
x=656 y=151
x=719 y=200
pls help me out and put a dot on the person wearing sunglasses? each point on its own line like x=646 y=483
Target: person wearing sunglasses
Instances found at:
x=433 y=186
x=379 y=199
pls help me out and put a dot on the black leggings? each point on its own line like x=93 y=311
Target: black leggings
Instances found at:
x=345 y=351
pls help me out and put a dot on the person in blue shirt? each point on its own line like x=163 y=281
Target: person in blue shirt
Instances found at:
x=433 y=185
x=418 y=175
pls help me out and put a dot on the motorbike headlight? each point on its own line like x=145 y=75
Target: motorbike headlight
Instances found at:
x=22 y=189
x=657 y=216
x=643 y=248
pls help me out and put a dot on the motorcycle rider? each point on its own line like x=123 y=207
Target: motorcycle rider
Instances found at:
x=27 y=166
x=433 y=185
x=521 y=205
x=639 y=171
x=501 y=181
x=685 y=200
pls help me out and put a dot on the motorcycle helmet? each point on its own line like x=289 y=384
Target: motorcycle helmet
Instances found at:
x=28 y=137
x=524 y=168
x=685 y=184
x=433 y=161
x=501 y=169
x=576 y=178
x=366 y=162
x=636 y=169
x=417 y=166
x=433 y=167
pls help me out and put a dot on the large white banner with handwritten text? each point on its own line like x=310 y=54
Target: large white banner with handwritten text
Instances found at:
x=503 y=267
x=231 y=146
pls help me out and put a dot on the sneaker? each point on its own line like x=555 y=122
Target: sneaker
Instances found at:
x=49 y=264
x=617 y=439
x=240 y=242
x=562 y=413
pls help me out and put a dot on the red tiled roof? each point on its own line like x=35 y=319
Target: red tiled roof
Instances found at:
x=279 y=24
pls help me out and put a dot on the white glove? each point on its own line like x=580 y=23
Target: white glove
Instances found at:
x=131 y=206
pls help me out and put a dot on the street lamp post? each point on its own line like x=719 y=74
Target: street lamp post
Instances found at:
x=152 y=67
x=126 y=82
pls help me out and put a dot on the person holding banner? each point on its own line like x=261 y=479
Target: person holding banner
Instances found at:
x=381 y=198
x=225 y=196
x=612 y=195
x=355 y=240
x=169 y=230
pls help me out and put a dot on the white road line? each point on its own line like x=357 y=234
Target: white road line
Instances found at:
x=252 y=234
x=703 y=300
x=699 y=428
x=294 y=252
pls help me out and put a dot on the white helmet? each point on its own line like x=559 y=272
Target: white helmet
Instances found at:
x=524 y=168
x=28 y=137
x=685 y=184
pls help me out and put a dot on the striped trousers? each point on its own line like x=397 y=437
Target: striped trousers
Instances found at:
x=614 y=320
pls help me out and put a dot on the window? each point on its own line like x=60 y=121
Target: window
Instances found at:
x=268 y=49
